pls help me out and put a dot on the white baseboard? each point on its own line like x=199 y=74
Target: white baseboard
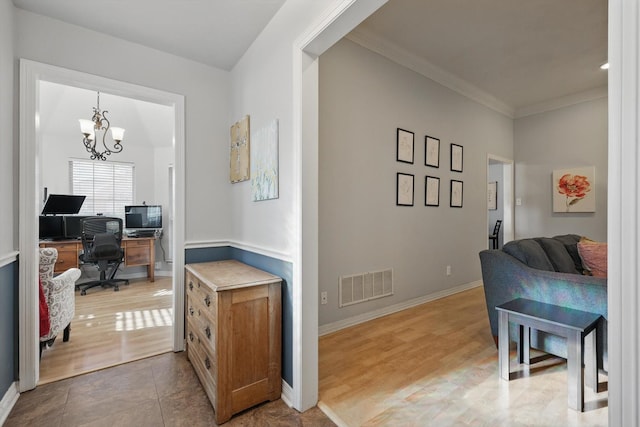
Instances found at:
x=365 y=317
x=287 y=394
x=8 y=401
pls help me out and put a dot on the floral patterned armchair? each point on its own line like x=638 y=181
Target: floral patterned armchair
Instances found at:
x=59 y=293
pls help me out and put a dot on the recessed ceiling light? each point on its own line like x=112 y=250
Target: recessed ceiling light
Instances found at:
x=605 y=66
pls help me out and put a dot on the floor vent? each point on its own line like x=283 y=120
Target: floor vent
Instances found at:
x=363 y=287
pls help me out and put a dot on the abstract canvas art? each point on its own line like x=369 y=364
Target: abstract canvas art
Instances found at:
x=264 y=163
x=239 y=152
x=574 y=190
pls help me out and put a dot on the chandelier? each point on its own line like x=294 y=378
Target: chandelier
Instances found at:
x=100 y=123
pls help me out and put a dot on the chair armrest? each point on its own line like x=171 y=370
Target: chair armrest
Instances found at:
x=68 y=278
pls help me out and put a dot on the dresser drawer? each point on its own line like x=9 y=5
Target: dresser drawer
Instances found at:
x=66 y=259
x=202 y=295
x=204 y=324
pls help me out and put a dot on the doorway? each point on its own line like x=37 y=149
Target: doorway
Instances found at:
x=32 y=73
x=500 y=185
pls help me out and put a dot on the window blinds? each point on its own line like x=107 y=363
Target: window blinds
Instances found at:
x=107 y=185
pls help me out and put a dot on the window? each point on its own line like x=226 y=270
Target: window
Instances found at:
x=107 y=185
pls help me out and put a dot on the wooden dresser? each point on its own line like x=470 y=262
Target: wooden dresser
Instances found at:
x=234 y=334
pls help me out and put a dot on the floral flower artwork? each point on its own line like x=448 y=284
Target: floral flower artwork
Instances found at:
x=573 y=190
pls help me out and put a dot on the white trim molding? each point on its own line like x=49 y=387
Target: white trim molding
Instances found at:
x=9 y=258
x=8 y=402
x=564 y=101
x=272 y=253
x=421 y=66
x=330 y=328
x=623 y=224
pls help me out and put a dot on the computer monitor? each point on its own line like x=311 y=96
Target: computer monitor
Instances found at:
x=63 y=204
x=51 y=228
x=142 y=216
x=73 y=226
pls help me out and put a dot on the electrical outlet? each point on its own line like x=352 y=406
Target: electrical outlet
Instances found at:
x=323 y=297
x=448 y=270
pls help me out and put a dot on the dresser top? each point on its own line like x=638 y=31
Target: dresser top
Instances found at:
x=230 y=274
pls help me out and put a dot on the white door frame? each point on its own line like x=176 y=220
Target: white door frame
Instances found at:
x=336 y=23
x=31 y=73
x=508 y=177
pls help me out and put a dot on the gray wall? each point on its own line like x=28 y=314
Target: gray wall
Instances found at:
x=363 y=99
x=574 y=136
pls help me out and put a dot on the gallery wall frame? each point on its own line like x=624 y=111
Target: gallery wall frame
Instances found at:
x=431 y=151
x=492 y=196
x=264 y=163
x=405 y=146
x=455 y=193
x=456 y=157
x=431 y=191
x=404 y=189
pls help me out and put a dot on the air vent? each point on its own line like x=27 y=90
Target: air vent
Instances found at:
x=363 y=287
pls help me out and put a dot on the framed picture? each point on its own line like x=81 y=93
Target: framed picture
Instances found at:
x=431 y=191
x=404 y=189
x=492 y=196
x=456 y=158
x=431 y=151
x=404 y=146
x=239 y=151
x=456 y=194
x=574 y=190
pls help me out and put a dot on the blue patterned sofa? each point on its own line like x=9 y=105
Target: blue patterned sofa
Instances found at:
x=547 y=270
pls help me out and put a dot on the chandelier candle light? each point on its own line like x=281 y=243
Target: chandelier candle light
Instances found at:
x=99 y=122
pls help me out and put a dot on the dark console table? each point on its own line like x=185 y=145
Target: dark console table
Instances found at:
x=574 y=325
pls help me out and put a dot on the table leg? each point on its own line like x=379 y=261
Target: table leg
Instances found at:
x=575 y=374
x=591 y=361
x=524 y=345
x=503 y=344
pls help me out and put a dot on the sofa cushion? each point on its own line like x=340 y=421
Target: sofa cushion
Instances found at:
x=558 y=255
x=530 y=253
x=570 y=241
x=594 y=256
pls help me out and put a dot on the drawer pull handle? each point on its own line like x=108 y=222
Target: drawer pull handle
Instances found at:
x=191 y=336
x=191 y=311
x=61 y=261
x=207 y=331
x=207 y=301
x=190 y=286
x=198 y=284
x=207 y=362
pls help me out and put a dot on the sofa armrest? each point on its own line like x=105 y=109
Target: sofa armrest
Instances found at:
x=506 y=278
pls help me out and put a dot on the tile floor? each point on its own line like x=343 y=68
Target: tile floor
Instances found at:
x=158 y=391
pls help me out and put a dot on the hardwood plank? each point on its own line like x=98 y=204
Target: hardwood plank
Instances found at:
x=110 y=328
x=437 y=364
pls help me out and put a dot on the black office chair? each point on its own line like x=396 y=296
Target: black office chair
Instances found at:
x=496 y=231
x=101 y=242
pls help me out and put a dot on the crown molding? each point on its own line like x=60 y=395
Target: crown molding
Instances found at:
x=561 y=102
x=421 y=66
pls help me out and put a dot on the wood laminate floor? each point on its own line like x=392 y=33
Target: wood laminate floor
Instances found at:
x=110 y=328
x=437 y=365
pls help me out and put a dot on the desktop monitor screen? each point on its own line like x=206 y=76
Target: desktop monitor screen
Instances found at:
x=63 y=204
x=73 y=226
x=51 y=227
x=143 y=216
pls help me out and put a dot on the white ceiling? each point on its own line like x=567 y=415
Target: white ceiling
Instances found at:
x=522 y=52
x=213 y=32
